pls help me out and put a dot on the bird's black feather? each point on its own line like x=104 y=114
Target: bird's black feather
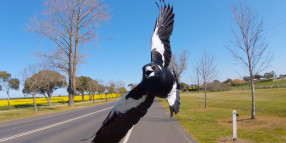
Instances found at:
x=174 y=108
x=117 y=124
x=164 y=24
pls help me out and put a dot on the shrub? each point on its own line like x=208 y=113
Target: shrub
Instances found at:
x=217 y=86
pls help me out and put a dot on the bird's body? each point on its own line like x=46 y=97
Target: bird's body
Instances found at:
x=161 y=83
x=157 y=81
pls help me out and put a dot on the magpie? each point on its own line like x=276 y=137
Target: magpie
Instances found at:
x=157 y=81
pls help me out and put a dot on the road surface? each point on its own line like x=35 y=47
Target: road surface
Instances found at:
x=76 y=125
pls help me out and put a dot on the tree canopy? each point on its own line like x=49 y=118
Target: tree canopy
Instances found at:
x=4 y=76
x=45 y=81
x=14 y=83
x=82 y=84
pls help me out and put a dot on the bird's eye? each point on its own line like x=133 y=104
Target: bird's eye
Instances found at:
x=154 y=68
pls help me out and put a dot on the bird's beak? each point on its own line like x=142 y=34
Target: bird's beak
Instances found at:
x=149 y=72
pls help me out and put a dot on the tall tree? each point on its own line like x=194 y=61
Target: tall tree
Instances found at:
x=69 y=24
x=101 y=89
x=32 y=81
x=50 y=81
x=32 y=87
x=248 y=46
x=110 y=89
x=9 y=83
x=82 y=85
x=207 y=70
x=179 y=65
x=120 y=87
x=92 y=88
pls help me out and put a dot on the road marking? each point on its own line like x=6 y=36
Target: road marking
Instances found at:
x=128 y=135
x=50 y=126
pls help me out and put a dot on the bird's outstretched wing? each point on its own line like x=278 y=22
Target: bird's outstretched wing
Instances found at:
x=160 y=42
x=174 y=97
x=125 y=113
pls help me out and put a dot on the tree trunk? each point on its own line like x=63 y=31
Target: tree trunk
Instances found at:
x=205 y=87
x=70 y=92
x=8 y=99
x=71 y=100
x=34 y=101
x=82 y=96
x=93 y=98
x=106 y=97
x=50 y=101
x=198 y=80
x=251 y=84
x=252 y=98
x=71 y=87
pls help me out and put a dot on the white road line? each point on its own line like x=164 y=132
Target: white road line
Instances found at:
x=128 y=135
x=50 y=126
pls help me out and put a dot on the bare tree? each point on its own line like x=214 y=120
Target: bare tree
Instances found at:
x=120 y=87
x=207 y=70
x=69 y=24
x=198 y=80
x=248 y=46
x=179 y=66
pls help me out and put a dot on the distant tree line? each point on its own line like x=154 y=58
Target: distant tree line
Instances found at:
x=38 y=79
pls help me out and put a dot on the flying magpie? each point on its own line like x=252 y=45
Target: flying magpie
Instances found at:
x=157 y=81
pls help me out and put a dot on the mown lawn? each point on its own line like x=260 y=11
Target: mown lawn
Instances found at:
x=266 y=84
x=214 y=124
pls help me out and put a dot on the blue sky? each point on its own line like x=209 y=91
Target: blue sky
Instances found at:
x=124 y=46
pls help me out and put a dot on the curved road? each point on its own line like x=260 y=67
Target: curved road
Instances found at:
x=76 y=125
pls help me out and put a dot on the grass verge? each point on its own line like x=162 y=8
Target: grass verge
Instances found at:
x=42 y=110
x=214 y=124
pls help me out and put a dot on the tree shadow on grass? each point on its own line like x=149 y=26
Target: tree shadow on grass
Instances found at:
x=27 y=106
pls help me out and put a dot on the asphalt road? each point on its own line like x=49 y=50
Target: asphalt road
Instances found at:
x=76 y=125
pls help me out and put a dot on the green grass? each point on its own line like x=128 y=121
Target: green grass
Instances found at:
x=44 y=109
x=267 y=84
x=214 y=124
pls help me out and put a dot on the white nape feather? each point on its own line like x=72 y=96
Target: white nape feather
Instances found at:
x=157 y=44
x=172 y=95
x=123 y=105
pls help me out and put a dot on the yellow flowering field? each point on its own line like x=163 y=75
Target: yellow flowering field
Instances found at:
x=61 y=99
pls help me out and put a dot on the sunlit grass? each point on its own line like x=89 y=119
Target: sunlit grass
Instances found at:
x=214 y=124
